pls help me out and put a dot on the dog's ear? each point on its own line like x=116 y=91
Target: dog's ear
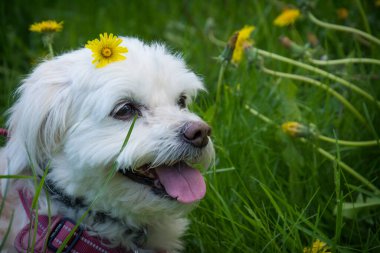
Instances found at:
x=37 y=119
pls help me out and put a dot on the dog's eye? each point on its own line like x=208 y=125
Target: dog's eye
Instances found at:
x=125 y=111
x=182 y=101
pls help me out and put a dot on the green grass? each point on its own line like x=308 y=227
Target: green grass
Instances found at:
x=267 y=192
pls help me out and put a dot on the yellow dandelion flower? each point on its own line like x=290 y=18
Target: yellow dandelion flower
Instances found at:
x=243 y=41
x=342 y=13
x=48 y=26
x=377 y=3
x=287 y=17
x=296 y=129
x=291 y=128
x=106 y=50
x=317 y=247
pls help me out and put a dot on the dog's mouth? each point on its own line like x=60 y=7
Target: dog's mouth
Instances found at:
x=179 y=181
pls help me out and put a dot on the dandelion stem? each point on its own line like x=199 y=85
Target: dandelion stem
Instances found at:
x=345 y=167
x=47 y=40
x=318 y=71
x=316 y=83
x=363 y=16
x=51 y=52
x=325 y=154
x=219 y=84
x=339 y=196
x=215 y=41
x=259 y=115
x=343 y=28
x=220 y=80
x=344 y=61
x=349 y=143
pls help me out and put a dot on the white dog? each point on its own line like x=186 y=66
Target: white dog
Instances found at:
x=72 y=119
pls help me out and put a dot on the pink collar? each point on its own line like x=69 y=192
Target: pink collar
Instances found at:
x=4 y=132
x=81 y=241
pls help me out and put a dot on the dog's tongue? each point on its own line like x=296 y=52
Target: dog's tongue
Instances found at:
x=182 y=182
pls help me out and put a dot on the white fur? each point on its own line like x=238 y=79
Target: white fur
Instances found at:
x=62 y=118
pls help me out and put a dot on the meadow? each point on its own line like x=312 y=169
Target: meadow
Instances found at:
x=296 y=132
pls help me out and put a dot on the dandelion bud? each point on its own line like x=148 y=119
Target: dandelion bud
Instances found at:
x=237 y=44
x=294 y=48
x=296 y=129
x=342 y=13
x=230 y=47
x=312 y=39
x=286 y=42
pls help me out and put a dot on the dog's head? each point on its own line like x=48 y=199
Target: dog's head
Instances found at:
x=75 y=117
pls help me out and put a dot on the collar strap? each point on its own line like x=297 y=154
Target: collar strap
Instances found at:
x=4 y=132
x=53 y=236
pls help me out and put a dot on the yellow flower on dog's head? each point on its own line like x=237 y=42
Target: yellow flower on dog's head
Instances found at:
x=106 y=50
x=243 y=41
x=287 y=17
x=46 y=26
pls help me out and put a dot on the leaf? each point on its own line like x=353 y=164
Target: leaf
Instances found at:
x=288 y=92
x=16 y=176
x=209 y=114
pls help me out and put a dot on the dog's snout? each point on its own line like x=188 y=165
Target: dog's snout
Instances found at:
x=196 y=133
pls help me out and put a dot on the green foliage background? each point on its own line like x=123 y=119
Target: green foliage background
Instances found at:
x=267 y=191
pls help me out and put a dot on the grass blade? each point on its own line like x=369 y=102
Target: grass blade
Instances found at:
x=110 y=175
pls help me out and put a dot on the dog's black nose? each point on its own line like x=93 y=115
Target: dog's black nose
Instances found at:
x=196 y=133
